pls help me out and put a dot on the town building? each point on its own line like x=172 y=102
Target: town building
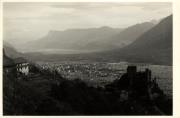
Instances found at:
x=22 y=66
x=18 y=66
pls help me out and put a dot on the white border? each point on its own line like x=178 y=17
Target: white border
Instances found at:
x=176 y=53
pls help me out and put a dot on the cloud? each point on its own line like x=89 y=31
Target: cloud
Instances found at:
x=105 y=5
x=30 y=21
x=156 y=6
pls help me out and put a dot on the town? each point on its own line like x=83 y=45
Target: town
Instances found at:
x=95 y=74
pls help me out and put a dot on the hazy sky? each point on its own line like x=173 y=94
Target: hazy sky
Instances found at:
x=30 y=21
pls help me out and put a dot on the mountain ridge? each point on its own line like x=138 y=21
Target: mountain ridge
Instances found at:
x=92 y=39
x=153 y=46
x=10 y=50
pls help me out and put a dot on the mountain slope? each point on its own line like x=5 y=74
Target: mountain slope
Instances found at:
x=154 y=46
x=92 y=39
x=10 y=50
x=72 y=38
x=127 y=36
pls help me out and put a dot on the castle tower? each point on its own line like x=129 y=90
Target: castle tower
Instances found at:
x=131 y=73
x=148 y=74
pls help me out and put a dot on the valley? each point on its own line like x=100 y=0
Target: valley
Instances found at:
x=100 y=73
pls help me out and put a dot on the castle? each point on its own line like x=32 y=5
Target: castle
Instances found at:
x=134 y=84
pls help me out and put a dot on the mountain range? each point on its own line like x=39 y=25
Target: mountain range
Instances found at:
x=88 y=40
x=154 y=46
x=145 y=43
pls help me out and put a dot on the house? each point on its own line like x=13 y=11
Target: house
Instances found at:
x=17 y=67
x=22 y=66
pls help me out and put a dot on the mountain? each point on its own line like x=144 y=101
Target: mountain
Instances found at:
x=10 y=50
x=71 y=39
x=92 y=39
x=154 y=46
x=128 y=35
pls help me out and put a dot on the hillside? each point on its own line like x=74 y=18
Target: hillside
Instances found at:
x=128 y=35
x=47 y=93
x=154 y=46
x=10 y=50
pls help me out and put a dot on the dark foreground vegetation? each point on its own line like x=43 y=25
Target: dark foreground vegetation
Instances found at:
x=47 y=93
